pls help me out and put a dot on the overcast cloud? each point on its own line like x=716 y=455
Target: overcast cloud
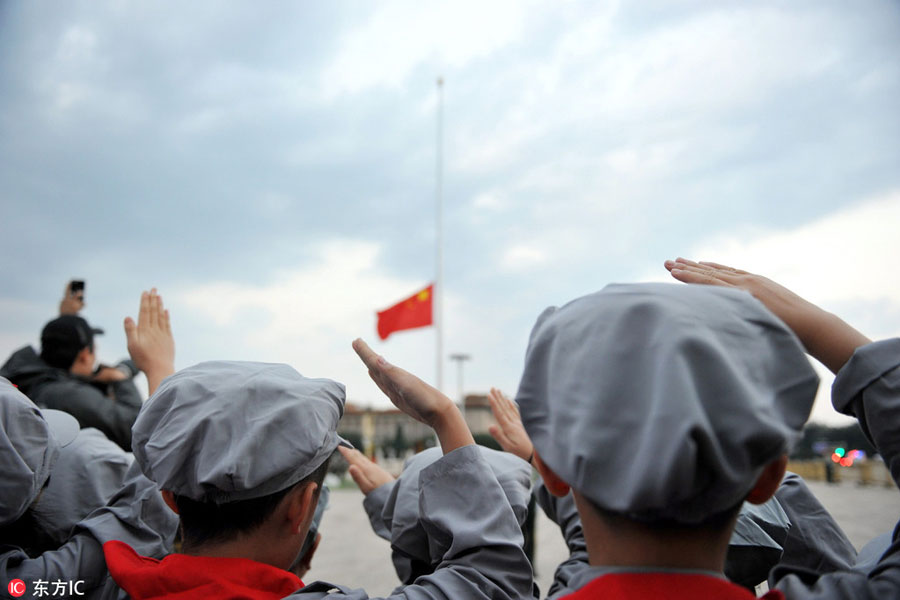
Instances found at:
x=270 y=167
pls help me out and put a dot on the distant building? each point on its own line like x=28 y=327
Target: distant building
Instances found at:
x=478 y=413
x=378 y=427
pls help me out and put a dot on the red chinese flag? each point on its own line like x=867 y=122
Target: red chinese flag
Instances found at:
x=413 y=312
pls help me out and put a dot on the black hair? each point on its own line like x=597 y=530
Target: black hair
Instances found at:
x=714 y=522
x=208 y=522
x=61 y=356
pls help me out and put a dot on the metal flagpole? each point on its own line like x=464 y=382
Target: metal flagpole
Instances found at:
x=439 y=256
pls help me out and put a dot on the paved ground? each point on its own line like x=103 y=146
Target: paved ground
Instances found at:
x=352 y=555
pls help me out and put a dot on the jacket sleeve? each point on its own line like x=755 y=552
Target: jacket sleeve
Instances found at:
x=113 y=416
x=868 y=388
x=373 y=504
x=80 y=558
x=136 y=514
x=470 y=523
x=814 y=541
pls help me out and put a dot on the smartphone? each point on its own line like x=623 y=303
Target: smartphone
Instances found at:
x=75 y=286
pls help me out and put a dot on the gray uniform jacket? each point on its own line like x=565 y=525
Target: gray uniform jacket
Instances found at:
x=87 y=473
x=136 y=514
x=815 y=541
x=464 y=511
x=868 y=388
x=393 y=509
x=49 y=387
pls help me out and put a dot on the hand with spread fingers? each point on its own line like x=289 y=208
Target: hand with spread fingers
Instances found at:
x=825 y=336
x=508 y=431
x=150 y=341
x=417 y=399
x=364 y=472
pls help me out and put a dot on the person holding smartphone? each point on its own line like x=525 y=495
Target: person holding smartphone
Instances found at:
x=73 y=298
x=65 y=375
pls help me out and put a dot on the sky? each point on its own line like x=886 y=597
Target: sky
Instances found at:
x=271 y=167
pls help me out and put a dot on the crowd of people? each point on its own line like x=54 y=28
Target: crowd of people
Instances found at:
x=652 y=423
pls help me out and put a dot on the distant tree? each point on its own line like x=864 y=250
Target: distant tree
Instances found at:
x=355 y=438
x=815 y=435
x=423 y=443
x=485 y=439
x=803 y=450
x=338 y=465
x=399 y=444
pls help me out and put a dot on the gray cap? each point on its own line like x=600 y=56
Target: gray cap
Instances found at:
x=227 y=431
x=27 y=452
x=400 y=513
x=664 y=401
x=64 y=426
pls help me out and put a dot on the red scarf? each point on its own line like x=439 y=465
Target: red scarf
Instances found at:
x=179 y=576
x=665 y=586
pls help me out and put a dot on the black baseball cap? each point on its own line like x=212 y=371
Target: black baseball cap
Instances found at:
x=64 y=337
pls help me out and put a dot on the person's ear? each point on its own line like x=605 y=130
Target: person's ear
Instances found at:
x=169 y=499
x=768 y=481
x=552 y=482
x=301 y=507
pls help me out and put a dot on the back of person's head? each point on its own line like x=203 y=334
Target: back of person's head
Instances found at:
x=63 y=338
x=663 y=404
x=210 y=522
x=230 y=440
